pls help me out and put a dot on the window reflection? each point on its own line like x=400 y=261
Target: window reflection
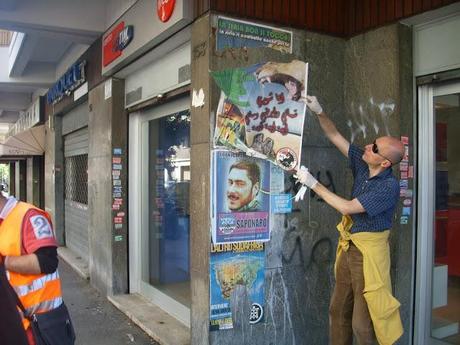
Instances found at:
x=169 y=184
x=446 y=265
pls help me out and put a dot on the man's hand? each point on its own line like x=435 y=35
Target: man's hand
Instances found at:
x=313 y=104
x=304 y=177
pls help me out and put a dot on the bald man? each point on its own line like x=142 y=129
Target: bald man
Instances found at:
x=367 y=218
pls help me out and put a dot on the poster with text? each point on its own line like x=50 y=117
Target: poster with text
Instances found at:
x=231 y=265
x=233 y=33
x=241 y=198
x=261 y=112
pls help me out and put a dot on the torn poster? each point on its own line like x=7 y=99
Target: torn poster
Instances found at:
x=261 y=111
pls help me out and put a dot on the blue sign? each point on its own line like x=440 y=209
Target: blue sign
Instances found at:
x=124 y=38
x=281 y=203
x=74 y=77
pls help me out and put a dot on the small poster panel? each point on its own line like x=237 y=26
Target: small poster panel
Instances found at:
x=260 y=111
x=241 y=200
x=231 y=265
x=232 y=33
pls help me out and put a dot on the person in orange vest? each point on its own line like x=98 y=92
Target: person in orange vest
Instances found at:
x=29 y=251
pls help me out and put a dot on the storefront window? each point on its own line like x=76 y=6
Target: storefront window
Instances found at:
x=446 y=267
x=169 y=211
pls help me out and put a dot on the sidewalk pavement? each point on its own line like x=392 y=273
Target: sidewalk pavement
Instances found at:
x=95 y=319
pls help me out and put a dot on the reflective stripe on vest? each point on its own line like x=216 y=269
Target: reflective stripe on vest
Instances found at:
x=37 y=284
x=44 y=306
x=37 y=292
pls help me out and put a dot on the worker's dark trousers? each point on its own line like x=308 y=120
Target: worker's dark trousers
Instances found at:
x=348 y=312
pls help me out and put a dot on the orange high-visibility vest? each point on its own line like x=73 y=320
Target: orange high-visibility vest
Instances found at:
x=37 y=292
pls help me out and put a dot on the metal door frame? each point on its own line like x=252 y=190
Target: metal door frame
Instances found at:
x=138 y=205
x=426 y=208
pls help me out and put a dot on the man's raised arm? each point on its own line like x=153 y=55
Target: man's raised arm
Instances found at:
x=327 y=125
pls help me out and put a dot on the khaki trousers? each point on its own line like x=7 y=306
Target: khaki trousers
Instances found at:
x=348 y=312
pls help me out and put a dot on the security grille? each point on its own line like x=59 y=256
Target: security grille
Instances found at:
x=76 y=179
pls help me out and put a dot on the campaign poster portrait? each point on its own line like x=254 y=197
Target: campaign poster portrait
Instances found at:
x=241 y=198
x=231 y=265
x=261 y=111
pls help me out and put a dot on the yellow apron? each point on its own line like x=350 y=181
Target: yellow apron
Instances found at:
x=383 y=307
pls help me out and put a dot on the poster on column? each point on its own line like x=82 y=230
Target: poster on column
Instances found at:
x=241 y=198
x=232 y=265
x=233 y=33
x=260 y=111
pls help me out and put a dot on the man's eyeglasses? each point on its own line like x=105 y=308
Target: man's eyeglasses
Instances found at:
x=375 y=149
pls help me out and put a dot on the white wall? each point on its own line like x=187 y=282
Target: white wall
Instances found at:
x=114 y=10
x=161 y=75
x=437 y=45
x=70 y=56
x=84 y=16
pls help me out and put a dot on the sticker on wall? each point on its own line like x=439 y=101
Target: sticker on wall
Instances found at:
x=198 y=98
x=108 y=89
x=406 y=193
x=406 y=211
x=118 y=238
x=405 y=140
x=403 y=184
x=117 y=151
x=233 y=265
x=117 y=166
x=241 y=201
x=406 y=154
x=404 y=220
x=118 y=226
x=403 y=166
x=411 y=172
x=281 y=203
x=233 y=33
x=404 y=175
x=407 y=202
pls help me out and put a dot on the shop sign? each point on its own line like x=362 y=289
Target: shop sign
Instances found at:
x=74 y=77
x=28 y=119
x=115 y=42
x=154 y=21
x=165 y=9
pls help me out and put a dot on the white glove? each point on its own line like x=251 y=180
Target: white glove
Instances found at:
x=305 y=178
x=301 y=193
x=313 y=104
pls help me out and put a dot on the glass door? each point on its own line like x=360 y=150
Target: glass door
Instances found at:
x=159 y=187
x=438 y=286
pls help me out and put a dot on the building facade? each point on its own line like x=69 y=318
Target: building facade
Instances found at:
x=130 y=172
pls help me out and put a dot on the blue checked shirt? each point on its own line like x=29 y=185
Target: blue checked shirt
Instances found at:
x=378 y=195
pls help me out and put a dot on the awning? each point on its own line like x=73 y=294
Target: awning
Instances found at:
x=30 y=142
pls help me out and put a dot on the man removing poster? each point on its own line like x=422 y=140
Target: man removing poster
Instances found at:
x=232 y=265
x=241 y=200
x=260 y=112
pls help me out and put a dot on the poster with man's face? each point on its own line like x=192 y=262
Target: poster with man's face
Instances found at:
x=241 y=200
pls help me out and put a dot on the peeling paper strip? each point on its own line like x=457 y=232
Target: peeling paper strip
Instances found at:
x=198 y=98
